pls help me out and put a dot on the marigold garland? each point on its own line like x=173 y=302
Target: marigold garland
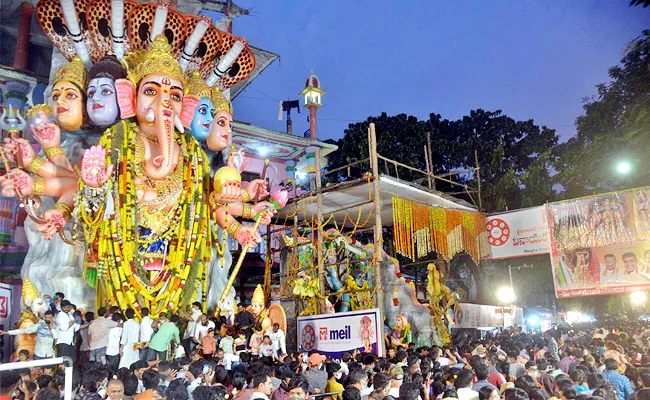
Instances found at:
x=119 y=248
x=419 y=229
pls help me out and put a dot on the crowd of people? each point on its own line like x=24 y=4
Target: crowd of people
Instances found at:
x=213 y=360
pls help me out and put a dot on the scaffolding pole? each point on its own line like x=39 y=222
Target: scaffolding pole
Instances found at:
x=378 y=245
x=320 y=250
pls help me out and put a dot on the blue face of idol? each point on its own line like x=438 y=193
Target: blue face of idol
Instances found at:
x=102 y=105
x=203 y=116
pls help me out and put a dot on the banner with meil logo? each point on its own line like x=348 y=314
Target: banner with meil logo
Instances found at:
x=334 y=334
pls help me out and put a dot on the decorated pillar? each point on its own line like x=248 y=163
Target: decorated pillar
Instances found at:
x=311 y=161
x=290 y=168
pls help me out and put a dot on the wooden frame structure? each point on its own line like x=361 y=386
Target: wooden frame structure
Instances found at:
x=314 y=198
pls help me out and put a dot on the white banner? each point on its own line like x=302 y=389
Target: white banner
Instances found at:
x=485 y=316
x=334 y=334
x=478 y=316
x=518 y=233
x=5 y=321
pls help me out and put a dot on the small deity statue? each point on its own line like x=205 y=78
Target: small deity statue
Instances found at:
x=402 y=334
x=261 y=314
x=35 y=308
x=266 y=317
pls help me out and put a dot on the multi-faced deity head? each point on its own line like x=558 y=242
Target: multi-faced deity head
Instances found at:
x=68 y=95
x=102 y=106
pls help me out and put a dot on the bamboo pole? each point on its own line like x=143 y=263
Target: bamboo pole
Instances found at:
x=320 y=250
x=431 y=160
x=478 y=179
x=426 y=161
x=397 y=163
x=378 y=245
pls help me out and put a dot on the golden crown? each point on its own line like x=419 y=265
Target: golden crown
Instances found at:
x=73 y=72
x=30 y=293
x=221 y=103
x=196 y=86
x=157 y=60
x=258 y=295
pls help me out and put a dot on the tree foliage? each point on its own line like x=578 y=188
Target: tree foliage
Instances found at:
x=615 y=128
x=514 y=156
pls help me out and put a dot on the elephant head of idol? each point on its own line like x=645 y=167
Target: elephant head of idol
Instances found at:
x=153 y=93
x=198 y=109
x=102 y=106
x=69 y=95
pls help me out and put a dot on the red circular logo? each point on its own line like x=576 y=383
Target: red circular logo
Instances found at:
x=308 y=337
x=498 y=232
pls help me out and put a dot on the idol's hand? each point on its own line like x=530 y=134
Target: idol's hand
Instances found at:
x=252 y=189
x=13 y=146
x=17 y=179
x=230 y=191
x=247 y=236
x=93 y=167
x=54 y=221
x=46 y=133
x=231 y=160
x=266 y=216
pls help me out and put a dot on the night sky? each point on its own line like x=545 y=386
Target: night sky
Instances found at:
x=531 y=59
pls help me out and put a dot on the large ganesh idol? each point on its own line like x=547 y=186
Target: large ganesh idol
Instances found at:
x=140 y=201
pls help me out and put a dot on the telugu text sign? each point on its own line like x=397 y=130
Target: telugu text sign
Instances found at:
x=518 y=233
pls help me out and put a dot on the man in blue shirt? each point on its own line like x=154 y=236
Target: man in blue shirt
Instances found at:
x=620 y=382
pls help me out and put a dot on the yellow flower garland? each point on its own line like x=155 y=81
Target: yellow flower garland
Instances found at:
x=188 y=239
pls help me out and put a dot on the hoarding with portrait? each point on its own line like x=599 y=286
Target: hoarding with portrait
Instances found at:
x=601 y=244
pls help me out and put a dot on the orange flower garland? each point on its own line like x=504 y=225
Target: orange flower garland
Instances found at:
x=419 y=229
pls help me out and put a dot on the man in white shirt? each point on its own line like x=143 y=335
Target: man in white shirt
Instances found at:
x=195 y=377
x=66 y=326
x=44 y=337
x=202 y=328
x=130 y=336
x=396 y=379
x=113 y=344
x=278 y=340
x=192 y=318
x=146 y=331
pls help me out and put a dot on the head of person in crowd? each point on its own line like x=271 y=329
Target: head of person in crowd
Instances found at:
x=351 y=393
x=515 y=394
x=358 y=378
x=488 y=393
x=262 y=383
x=150 y=379
x=298 y=388
x=409 y=391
